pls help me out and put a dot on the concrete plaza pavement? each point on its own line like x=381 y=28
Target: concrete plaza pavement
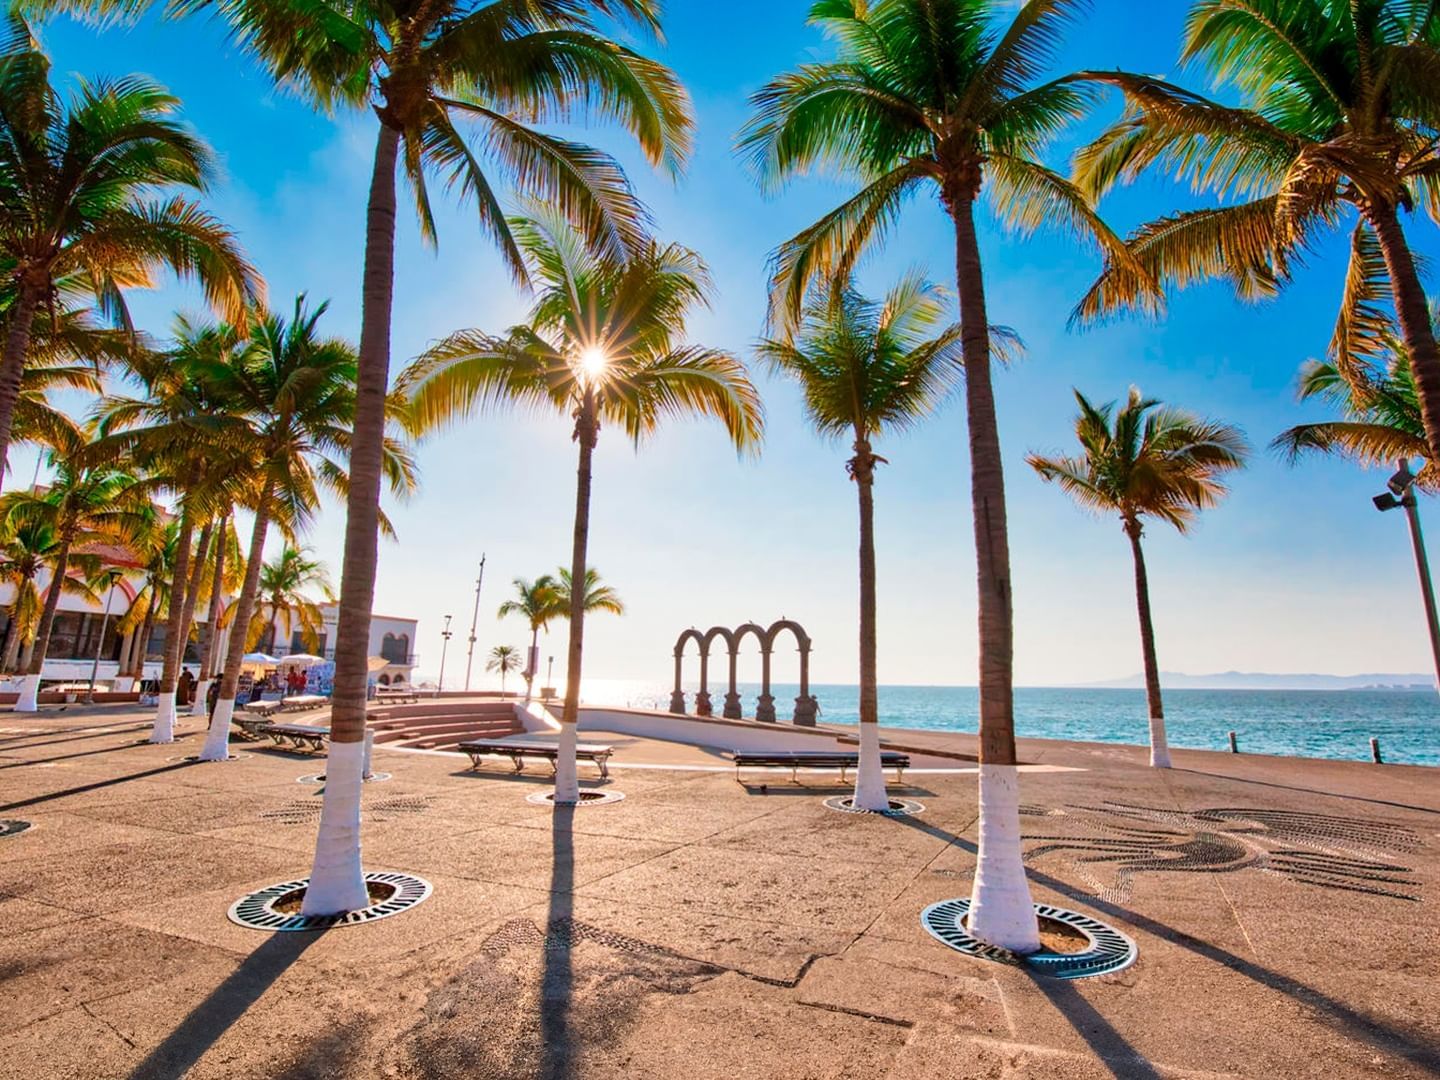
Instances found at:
x=1284 y=911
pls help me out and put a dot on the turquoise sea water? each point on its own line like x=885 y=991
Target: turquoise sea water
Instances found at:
x=1304 y=723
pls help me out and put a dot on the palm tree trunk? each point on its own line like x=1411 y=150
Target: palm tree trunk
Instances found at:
x=217 y=739
x=1414 y=314
x=12 y=637
x=12 y=362
x=337 y=882
x=1159 y=747
x=869 y=776
x=567 y=784
x=142 y=646
x=532 y=663
x=164 y=729
x=1001 y=911
x=212 y=623
x=192 y=588
x=29 y=700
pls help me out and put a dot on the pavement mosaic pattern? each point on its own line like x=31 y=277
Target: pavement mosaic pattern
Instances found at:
x=1283 y=911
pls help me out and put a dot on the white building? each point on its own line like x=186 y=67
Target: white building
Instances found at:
x=392 y=639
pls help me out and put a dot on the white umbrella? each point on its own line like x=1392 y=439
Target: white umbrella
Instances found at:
x=259 y=658
x=304 y=660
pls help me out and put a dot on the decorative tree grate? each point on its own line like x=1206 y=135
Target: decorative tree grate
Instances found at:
x=898 y=807
x=1109 y=950
x=319 y=778
x=13 y=827
x=587 y=798
x=257 y=910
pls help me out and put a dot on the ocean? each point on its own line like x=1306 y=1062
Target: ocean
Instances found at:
x=1305 y=723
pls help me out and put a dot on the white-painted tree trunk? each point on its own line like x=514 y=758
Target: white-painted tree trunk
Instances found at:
x=369 y=747
x=567 y=782
x=1001 y=911
x=1159 y=746
x=202 y=691
x=164 y=729
x=869 y=776
x=217 y=738
x=337 y=883
x=29 y=700
x=123 y=684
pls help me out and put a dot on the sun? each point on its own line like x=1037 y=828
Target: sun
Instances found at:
x=593 y=361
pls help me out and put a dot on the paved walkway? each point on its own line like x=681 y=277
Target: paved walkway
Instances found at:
x=1284 y=912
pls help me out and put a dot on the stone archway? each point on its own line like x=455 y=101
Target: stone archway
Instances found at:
x=806 y=706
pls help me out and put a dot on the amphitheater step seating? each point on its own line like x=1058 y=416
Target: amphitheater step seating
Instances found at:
x=442 y=725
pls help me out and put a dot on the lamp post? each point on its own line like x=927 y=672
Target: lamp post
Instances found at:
x=443 y=648
x=475 y=618
x=550 y=673
x=1401 y=493
x=100 y=644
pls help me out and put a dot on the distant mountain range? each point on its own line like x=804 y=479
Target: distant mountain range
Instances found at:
x=1246 y=680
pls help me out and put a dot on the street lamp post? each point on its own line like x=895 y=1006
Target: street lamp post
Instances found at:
x=443 y=649
x=550 y=673
x=1401 y=494
x=100 y=644
x=475 y=618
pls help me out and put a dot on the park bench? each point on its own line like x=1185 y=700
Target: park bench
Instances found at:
x=303 y=702
x=250 y=725
x=402 y=697
x=264 y=708
x=795 y=760
x=299 y=736
x=518 y=751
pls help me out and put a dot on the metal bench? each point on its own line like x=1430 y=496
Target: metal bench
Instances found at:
x=264 y=708
x=250 y=725
x=299 y=736
x=518 y=751
x=796 y=760
x=402 y=696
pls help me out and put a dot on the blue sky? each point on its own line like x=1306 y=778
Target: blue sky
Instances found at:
x=1296 y=572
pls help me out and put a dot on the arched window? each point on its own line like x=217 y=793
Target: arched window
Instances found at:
x=396 y=648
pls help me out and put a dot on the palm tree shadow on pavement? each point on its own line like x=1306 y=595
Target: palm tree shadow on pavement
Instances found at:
x=224 y=1005
x=557 y=979
x=1347 y=1021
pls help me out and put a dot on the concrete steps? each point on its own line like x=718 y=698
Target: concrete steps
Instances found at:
x=442 y=725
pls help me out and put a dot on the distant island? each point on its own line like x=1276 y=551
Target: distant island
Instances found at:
x=1249 y=680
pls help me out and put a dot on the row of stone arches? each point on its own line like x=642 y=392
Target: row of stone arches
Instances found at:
x=806 y=707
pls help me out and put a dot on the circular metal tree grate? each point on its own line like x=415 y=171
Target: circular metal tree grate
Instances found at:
x=587 y=798
x=898 y=807
x=257 y=910
x=12 y=826
x=319 y=778
x=196 y=757
x=1109 y=950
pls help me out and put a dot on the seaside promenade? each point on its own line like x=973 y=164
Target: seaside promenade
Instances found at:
x=1284 y=912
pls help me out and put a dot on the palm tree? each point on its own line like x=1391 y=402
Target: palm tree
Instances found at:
x=191 y=441
x=152 y=601
x=229 y=576
x=1146 y=460
x=538 y=602
x=502 y=65
x=298 y=396
x=864 y=368
x=598 y=596
x=1381 y=416
x=26 y=549
x=504 y=659
x=602 y=344
x=84 y=200
x=1339 y=104
x=85 y=504
x=940 y=95
x=285 y=584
